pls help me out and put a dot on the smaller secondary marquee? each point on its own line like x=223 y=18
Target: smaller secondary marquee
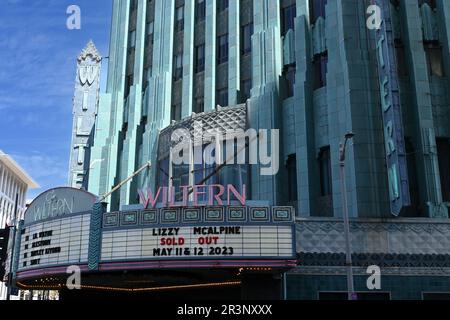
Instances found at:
x=58 y=202
x=55 y=230
x=59 y=242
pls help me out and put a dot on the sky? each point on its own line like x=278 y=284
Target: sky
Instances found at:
x=37 y=77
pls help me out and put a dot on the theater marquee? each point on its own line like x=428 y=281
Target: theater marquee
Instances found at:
x=160 y=238
x=55 y=230
x=58 y=242
x=218 y=236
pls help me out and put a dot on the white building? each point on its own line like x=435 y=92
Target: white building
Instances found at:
x=14 y=183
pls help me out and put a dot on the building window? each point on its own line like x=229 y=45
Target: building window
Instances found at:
x=222 y=5
x=175 y=114
x=222 y=97
x=401 y=58
x=180 y=177
x=133 y=4
x=414 y=209
x=200 y=58
x=246 y=87
x=199 y=105
x=149 y=32
x=291 y=166
x=147 y=75
x=222 y=48
x=132 y=39
x=320 y=70
x=206 y=171
x=178 y=67
x=234 y=174
x=433 y=52
x=128 y=84
x=247 y=32
x=443 y=149
x=289 y=78
x=288 y=16
x=325 y=172
x=179 y=18
x=163 y=173
x=200 y=10
x=317 y=9
x=204 y=167
x=431 y=3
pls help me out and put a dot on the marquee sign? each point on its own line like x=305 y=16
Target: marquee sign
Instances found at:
x=209 y=233
x=199 y=242
x=391 y=110
x=59 y=242
x=55 y=230
x=179 y=237
x=59 y=202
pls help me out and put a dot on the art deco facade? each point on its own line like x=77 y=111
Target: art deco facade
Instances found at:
x=311 y=69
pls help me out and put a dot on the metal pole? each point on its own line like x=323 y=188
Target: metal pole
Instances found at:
x=11 y=258
x=348 y=250
x=147 y=165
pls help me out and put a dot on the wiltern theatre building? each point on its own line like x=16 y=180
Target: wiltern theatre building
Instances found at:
x=312 y=71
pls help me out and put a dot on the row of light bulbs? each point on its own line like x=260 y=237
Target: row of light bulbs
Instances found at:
x=204 y=285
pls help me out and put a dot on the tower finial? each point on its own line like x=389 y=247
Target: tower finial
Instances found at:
x=90 y=50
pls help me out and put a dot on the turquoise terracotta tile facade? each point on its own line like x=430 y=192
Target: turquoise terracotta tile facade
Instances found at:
x=312 y=120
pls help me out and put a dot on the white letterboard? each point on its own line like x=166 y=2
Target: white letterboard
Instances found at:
x=251 y=241
x=57 y=242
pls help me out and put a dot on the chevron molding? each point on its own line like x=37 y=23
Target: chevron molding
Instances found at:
x=375 y=237
x=95 y=235
x=341 y=271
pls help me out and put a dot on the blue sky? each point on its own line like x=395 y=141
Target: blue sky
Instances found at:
x=37 y=76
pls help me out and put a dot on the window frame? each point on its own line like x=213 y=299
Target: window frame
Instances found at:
x=200 y=67
x=175 y=112
x=179 y=23
x=200 y=10
x=315 y=14
x=325 y=174
x=320 y=63
x=222 y=5
x=288 y=15
x=434 y=49
x=222 y=49
x=245 y=95
x=246 y=42
x=222 y=93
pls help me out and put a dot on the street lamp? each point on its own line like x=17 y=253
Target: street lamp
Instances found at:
x=348 y=252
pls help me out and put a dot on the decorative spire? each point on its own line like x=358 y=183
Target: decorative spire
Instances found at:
x=90 y=50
